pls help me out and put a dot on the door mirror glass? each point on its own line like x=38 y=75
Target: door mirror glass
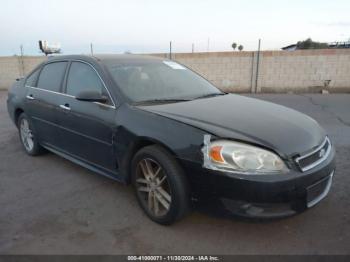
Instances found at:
x=91 y=96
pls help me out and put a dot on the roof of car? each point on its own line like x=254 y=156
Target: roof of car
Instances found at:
x=109 y=57
x=126 y=57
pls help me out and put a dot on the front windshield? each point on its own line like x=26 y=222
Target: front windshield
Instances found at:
x=159 y=80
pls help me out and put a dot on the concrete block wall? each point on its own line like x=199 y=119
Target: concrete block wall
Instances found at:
x=305 y=71
x=12 y=67
x=279 y=71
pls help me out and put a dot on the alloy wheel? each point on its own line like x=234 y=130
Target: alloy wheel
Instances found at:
x=26 y=135
x=153 y=187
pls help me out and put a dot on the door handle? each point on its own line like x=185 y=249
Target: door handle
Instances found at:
x=65 y=107
x=30 y=97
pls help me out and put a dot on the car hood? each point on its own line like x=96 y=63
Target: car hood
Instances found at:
x=279 y=128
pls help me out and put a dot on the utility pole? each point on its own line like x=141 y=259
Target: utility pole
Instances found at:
x=22 y=62
x=91 y=49
x=170 y=47
x=257 y=67
x=208 y=44
x=192 y=47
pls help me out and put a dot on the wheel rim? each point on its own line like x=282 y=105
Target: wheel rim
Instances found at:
x=153 y=187
x=26 y=135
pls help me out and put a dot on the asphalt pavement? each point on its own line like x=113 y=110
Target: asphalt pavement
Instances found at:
x=49 y=205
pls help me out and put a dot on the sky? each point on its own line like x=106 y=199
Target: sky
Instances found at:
x=117 y=26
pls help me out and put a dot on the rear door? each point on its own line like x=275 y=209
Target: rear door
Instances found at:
x=43 y=99
x=87 y=128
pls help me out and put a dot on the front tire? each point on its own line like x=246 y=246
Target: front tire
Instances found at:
x=27 y=136
x=160 y=184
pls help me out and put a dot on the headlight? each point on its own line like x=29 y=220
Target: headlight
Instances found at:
x=239 y=157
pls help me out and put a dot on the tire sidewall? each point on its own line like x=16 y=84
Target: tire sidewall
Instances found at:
x=174 y=184
x=36 y=146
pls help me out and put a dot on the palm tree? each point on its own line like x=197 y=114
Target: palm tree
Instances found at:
x=240 y=48
x=234 y=46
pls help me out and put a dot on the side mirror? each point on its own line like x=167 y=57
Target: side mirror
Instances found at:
x=91 y=96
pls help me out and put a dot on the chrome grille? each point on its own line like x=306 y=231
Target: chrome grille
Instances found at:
x=314 y=158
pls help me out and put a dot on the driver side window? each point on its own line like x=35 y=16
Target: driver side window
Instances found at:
x=83 y=77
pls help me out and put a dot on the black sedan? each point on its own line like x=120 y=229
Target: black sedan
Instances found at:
x=174 y=136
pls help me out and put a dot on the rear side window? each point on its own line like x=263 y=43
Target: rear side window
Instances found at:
x=51 y=77
x=32 y=79
x=83 y=78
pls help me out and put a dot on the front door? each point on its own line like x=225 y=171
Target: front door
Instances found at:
x=87 y=128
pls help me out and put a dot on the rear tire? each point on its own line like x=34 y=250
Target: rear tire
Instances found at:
x=160 y=184
x=27 y=136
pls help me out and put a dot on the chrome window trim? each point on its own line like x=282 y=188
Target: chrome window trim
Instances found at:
x=323 y=194
x=54 y=92
x=105 y=105
x=319 y=161
x=64 y=94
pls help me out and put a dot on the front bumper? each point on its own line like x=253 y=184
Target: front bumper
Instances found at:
x=263 y=195
x=314 y=194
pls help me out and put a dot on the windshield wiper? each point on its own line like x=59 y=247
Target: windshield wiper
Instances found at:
x=210 y=95
x=165 y=100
